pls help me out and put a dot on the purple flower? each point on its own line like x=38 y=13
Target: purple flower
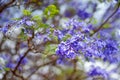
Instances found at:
x=10 y=65
x=5 y=56
x=75 y=26
x=81 y=43
x=98 y=73
x=110 y=52
x=26 y=21
x=30 y=23
x=22 y=21
x=70 y=48
x=1 y=68
x=91 y=48
x=23 y=45
x=83 y=15
x=4 y=29
x=59 y=34
x=65 y=51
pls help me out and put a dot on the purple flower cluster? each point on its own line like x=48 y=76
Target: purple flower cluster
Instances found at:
x=73 y=27
x=4 y=29
x=83 y=15
x=26 y=21
x=98 y=73
x=71 y=47
x=88 y=46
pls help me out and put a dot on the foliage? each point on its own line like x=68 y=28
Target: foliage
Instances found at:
x=51 y=11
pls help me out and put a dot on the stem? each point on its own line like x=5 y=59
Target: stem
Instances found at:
x=17 y=75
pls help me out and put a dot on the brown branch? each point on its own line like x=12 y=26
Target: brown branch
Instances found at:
x=101 y=26
x=4 y=76
x=6 y=5
x=21 y=60
x=25 y=54
x=21 y=77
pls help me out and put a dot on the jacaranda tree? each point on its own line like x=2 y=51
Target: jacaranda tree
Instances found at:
x=59 y=40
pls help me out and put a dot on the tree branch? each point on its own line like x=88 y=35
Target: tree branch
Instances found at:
x=6 y=5
x=101 y=26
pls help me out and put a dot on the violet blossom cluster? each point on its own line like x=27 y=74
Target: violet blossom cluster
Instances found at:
x=82 y=44
x=99 y=73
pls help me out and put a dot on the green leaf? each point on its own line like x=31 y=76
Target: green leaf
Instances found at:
x=66 y=37
x=109 y=0
x=100 y=1
x=23 y=36
x=44 y=25
x=7 y=69
x=50 y=49
x=119 y=1
x=41 y=25
x=98 y=35
x=107 y=25
x=1 y=71
x=26 y=12
x=93 y=20
x=113 y=33
x=36 y=18
x=16 y=19
x=51 y=11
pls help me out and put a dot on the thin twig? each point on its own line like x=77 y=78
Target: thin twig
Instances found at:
x=4 y=76
x=6 y=5
x=17 y=75
x=101 y=26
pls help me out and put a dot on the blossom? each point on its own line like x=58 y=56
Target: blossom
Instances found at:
x=26 y=21
x=83 y=15
x=98 y=73
x=111 y=51
x=82 y=44
x=65 y=51
x=70 y=49
x=4 y=29
x=10 y=65
x=91 y=48
x=59 y=34
x=30 y=23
